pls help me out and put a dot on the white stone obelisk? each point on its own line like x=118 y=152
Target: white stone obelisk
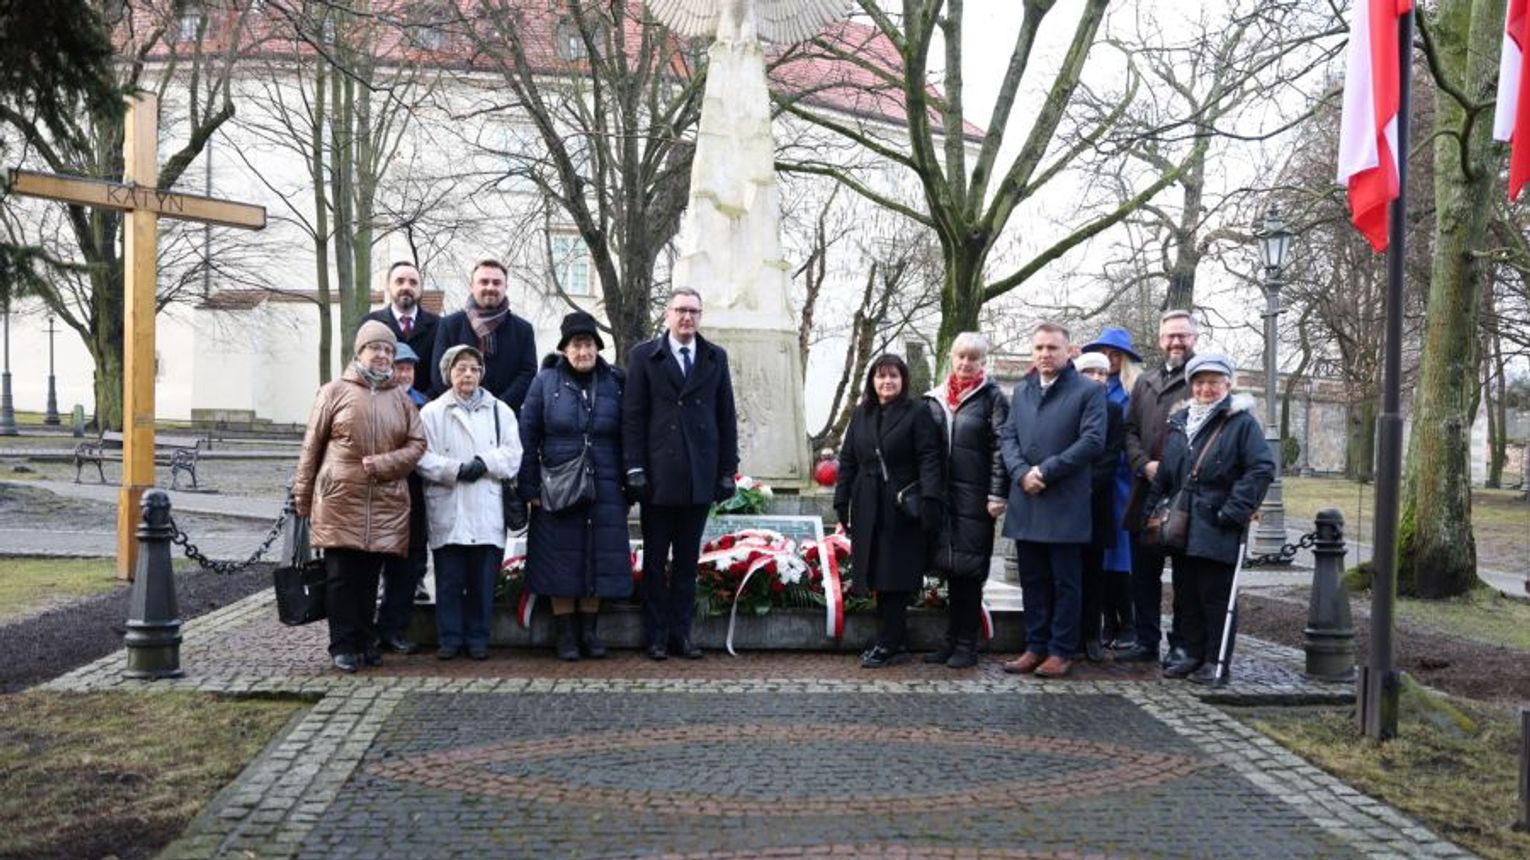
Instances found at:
x=730 y=236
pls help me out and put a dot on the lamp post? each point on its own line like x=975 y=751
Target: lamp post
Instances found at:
x=7 y=408
x=1274 y=241
x=51 y=416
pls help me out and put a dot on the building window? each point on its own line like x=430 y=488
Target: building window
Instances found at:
x=567 y=41
x=186 y=27
x=570 y=263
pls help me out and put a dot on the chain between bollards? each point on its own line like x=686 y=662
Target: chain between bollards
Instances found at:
x=1285 y=555
x=180 y=538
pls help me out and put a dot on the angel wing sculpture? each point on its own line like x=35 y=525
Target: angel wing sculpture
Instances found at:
x=780 y=21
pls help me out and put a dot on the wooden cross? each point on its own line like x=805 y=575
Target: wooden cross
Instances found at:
x=144 y=203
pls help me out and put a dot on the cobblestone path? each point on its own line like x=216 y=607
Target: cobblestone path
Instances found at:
x=764 y=756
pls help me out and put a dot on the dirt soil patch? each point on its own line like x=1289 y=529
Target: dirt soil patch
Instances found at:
x=42 y=647
x=1488 y=673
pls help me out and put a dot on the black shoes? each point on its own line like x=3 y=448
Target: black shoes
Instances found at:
x=686 y=648
x=399 y=645
x=1176 y=654
x=879 y=656
x=346 y=663
x=1094 y=652
x=657 y=652
x=1138 y=654
x=590 y=643
x=478 y=652
x=448 y=652
x=371 y=658
x=941 y=654
x=1207 y=675
x=1182 y=667
x=567 y=631
x=963 y=655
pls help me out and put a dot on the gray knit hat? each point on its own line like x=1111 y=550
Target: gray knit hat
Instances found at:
x=372 y=331
x=449 y=358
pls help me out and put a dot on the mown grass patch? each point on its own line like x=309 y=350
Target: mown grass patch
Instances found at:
x=1462 y=784
x=31 y=584
x=98 y=774
x=1481 y=615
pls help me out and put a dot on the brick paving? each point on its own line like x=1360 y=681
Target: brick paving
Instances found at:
x=772 y=755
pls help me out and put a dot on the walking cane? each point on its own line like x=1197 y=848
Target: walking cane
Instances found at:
x=1232 y=607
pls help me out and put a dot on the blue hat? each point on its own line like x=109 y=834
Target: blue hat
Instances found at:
x=1115 y=338
x=404 y=353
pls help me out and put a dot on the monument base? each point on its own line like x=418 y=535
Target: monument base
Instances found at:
x=767 y=387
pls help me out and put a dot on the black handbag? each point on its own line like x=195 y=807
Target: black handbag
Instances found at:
x=513 y=507
x=571 y=484
x=300 y=584
x=906 y=499
x=1168 y=525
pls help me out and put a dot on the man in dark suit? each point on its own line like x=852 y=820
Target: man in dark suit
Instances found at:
x=680 y=444
x=1055 y=431
x=507 y=342
x=410 y=322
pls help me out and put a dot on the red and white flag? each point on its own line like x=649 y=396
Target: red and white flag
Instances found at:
x=1511 y=116
x=1369 y=141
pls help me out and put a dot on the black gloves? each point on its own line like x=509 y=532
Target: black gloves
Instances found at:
x=637 y=487
x=725 y=489
x=932 y=515
x=471 y=471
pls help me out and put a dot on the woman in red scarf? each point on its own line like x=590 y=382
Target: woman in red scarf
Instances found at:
x=969 y=408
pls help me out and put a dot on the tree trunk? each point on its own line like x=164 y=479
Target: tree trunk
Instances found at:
x=321 y=227
x=1437 y=552
x=1360 y=444
x=342 y=168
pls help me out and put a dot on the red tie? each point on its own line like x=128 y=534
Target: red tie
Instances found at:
x=407 y=324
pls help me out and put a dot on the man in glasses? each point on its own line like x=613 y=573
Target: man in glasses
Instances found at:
x=680 y=443
x=1153 y=398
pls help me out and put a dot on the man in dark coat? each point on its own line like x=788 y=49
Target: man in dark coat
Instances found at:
x=411 y=323
x=507 y=342
x=680 y=443
x=1153 y=398
x=1054 y=434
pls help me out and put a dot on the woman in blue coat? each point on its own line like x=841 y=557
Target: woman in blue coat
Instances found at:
x=578 y=556
x=1125 y=366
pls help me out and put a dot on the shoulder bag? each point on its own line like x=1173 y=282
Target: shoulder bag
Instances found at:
x=300 y=583
x=568 y=485
x=1168 y=525
x=905 y=498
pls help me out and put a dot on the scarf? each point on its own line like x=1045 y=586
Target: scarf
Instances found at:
x=374 y=379
x=485 y=321
x=1200 y=413
x=472 y=402
x=957 y=388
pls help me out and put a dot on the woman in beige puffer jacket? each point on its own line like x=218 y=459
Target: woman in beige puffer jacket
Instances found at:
x=364 y=438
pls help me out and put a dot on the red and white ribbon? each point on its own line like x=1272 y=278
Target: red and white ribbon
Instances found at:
x=987 y=623
x=523 y=609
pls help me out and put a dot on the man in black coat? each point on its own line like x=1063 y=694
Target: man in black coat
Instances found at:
x=1154 y=398
x=680 y=444
x=1055 y=431
x=507 y=342
x=410 y=322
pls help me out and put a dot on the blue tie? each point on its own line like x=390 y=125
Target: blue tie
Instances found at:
x=685 y=361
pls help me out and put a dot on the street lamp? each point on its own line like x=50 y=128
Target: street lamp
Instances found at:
x=7 y=408
x=1274 y=242
x=51 y=416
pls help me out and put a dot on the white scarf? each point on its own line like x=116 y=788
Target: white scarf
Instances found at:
x=1199 y=414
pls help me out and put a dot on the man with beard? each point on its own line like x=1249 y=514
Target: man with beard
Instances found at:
x=411 y=323
x=507 y=342
x=1154 y=397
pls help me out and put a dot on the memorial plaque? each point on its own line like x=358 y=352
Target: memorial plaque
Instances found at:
x=797 y=528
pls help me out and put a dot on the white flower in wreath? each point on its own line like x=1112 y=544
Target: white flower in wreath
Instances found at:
x=790 y=569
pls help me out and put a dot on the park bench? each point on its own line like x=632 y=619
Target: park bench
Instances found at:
x=180 y=453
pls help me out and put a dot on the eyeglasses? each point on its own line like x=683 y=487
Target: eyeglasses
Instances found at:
x=686 y=312
x=1187 y=336
x=467 y=368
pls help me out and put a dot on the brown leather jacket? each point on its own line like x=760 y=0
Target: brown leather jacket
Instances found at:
x=349 y=509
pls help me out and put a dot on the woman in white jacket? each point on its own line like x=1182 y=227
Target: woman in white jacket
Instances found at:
x=471 y=445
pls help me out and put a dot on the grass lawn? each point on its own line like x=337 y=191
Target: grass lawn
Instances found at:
x=1483 y=615
x=30 y=584
x=1500 y=518
x=1463 y=786
x=91 y=775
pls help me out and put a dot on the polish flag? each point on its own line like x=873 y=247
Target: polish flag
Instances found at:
x=1368 y=138
x=1511 y=117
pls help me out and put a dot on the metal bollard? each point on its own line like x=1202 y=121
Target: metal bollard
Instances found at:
x=1330 y=634
x=153 y=636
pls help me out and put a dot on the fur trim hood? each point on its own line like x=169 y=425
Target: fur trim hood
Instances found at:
x=1235 y=403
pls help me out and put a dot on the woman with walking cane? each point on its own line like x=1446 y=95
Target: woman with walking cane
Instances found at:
x=1215 y=470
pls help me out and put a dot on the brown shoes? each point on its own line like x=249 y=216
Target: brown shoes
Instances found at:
x=1024 y=665
x=1054 y=667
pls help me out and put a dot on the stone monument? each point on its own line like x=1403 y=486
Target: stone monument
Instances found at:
x=730 y=235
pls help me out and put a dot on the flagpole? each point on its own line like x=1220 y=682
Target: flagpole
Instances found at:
x=1380 y=687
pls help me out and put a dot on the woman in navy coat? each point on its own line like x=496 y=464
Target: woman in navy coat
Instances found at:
x=577 y=556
